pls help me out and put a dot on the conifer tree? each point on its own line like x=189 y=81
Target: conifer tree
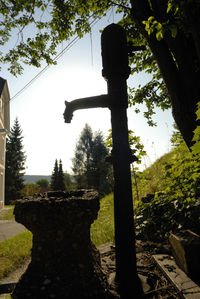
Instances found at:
x=61 y=180
x=57 y=178
x=15 y=164
x=54 y=177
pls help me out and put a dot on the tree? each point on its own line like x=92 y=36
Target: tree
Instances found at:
x=101 y=172
x=57 y=178
x=170 y=31
x=30 y=189
x=167 y=30
x=15 y=164
x=68 y=181
x=61 y=178
x=89 y=166
x=43 y=184
x=82 y=158
x=54 y=177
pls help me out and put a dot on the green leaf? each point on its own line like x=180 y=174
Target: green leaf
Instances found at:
x=169 y=6
x=159 y=35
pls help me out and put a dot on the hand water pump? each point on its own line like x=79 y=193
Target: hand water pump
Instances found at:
x=116 y=71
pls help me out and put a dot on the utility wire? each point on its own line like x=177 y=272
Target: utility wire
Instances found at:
x=93 y=22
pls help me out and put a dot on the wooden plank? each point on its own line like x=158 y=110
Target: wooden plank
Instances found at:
x=187 y=288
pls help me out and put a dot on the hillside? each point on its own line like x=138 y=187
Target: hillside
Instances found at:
x=168 y=195
x=167 y=199
x=35 y=178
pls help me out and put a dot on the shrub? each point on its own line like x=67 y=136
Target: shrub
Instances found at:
x=155 y=220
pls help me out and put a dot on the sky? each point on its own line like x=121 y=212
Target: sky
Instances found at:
x=40 y=107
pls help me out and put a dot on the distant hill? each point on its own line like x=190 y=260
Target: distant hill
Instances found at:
x=35 y=178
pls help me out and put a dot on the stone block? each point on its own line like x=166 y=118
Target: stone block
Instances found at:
x=64 y=262
x=186 y=251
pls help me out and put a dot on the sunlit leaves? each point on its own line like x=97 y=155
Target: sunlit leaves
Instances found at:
x=172 y=6
x=51 y=21
x=136 y=147
x=196 y=147
x=153 y=94
x=175 y=205
x=151 y=25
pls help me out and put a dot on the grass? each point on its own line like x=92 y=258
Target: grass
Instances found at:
x=7 y=214
x=102 y=230
x=14 y=251
x=5 y=296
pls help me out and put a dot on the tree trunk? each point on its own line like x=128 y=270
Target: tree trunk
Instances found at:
x=178 y=60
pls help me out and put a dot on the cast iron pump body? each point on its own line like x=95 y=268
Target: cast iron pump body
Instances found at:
x=116 y=70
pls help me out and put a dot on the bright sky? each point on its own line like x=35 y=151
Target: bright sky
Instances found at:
x=40 y=107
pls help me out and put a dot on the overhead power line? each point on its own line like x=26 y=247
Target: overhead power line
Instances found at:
x=69 y=45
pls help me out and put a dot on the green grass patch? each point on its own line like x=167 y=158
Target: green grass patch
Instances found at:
x=7 y=214
x=5 y=296
x=102 y=230
x=14 y=251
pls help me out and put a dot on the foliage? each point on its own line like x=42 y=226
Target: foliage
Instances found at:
x=161 y=27
x=150 y=180
x=57 y=177
x=15 y=161
x=89 y=165
x=49 y=22
x=136 y=147
x=177 y=138
x=102 y=230
x=43 y=183
x=54 y=176
x=196 y=147
x=68 y=181
x=83 y=158
x=165 y=214
x=176 y=204
x=61 y=182
x=102 y=176
x=30 y=189
x=14 y=251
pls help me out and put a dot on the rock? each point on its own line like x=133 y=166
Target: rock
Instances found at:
x=186 y=248
x=62 y=248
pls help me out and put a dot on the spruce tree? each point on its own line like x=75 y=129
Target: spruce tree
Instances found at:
x=57 y=178
x=15 y=164
x=54 y=177
x=61 y=180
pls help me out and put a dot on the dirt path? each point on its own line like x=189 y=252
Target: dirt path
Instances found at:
x=9 y=229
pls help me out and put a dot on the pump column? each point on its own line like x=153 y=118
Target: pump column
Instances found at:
x=116 y=71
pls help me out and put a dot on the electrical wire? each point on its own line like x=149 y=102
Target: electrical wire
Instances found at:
x=93 y=23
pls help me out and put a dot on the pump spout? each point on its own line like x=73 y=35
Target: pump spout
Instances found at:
x=85 y=103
